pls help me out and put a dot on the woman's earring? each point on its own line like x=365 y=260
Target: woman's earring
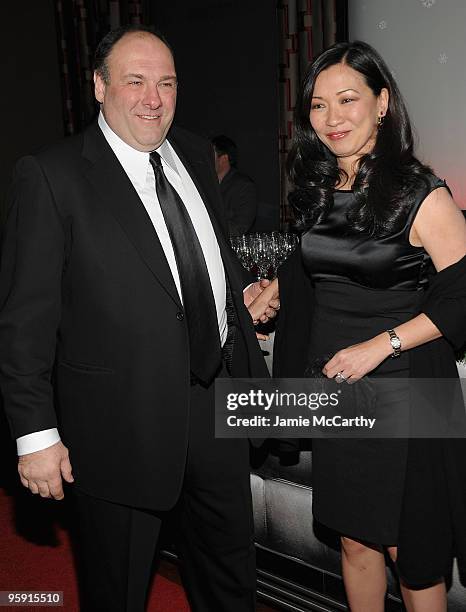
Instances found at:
x=380 y=120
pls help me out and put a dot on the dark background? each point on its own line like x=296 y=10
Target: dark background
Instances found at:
x=30 y=99
x=227 y=61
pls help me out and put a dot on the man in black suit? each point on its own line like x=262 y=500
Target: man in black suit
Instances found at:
x=107 y=368
x=237 y=189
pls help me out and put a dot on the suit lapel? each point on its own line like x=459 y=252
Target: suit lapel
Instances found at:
x=203 y=177
x=198 y=168
x=121 y=199
x=117 y=193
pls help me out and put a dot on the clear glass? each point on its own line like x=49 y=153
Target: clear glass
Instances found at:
x=263 y=253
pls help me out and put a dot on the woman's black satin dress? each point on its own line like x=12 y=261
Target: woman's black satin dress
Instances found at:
x=363 y=286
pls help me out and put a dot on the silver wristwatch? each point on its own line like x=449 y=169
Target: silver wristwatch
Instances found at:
x=395 y=342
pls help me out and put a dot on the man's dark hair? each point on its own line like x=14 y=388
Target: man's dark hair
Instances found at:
x=225 y=146
x=388 y=177
x=107 y=43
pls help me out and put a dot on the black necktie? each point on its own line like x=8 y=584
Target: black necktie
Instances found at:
x=196 y=289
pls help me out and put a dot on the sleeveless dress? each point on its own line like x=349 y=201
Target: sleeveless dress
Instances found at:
x=363 y=286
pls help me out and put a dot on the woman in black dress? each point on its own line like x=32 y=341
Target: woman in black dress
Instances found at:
x=382 y=274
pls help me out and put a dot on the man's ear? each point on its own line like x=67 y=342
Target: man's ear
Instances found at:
x=99 y=87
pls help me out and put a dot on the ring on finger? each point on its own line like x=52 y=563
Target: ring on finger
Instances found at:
x=339 y=378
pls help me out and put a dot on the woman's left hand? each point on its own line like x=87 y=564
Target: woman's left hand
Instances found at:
x=357 y=360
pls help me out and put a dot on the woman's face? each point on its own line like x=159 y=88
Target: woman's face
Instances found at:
x=344 y=113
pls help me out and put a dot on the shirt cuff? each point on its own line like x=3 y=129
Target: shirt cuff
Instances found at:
x=30 y=443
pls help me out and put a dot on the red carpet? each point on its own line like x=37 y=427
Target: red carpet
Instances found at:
x=35 y=555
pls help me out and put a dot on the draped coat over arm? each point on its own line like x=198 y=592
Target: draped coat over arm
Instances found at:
x=433 y=512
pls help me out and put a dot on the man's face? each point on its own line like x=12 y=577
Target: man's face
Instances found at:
x=139 y=100
x=222 y=164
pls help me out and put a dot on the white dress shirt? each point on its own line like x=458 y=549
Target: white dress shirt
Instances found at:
x=141 y=174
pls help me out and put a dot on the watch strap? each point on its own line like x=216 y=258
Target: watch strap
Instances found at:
x=395 y=342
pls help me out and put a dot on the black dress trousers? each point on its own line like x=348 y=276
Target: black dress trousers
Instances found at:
x=213 y=522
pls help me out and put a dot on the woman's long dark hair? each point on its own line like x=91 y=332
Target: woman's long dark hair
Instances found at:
x=387 y=178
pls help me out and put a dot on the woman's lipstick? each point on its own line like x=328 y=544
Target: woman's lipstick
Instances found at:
x=337 y=135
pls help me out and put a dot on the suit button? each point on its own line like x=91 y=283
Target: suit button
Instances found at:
x=179 y=316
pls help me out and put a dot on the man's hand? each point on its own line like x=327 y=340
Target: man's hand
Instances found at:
x=254 y=290
x=42 y=472
x=262 y=300
x=262 y=337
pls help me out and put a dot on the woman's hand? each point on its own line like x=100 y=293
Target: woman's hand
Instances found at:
x=357 y=360
x=262 y=300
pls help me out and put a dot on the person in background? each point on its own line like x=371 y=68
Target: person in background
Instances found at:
x=121 y=303
x=377 y=288
x=238 y=190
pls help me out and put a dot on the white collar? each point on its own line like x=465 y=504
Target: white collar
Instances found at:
x=134 y=162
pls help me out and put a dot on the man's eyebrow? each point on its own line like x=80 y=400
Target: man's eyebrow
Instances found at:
x=133 y=76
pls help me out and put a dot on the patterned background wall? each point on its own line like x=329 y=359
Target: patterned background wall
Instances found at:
x=424 y=43
x=80 y=25
x=306 y=28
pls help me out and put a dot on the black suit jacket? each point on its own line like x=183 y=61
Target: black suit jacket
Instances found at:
x=92 y=336
x=240 y=199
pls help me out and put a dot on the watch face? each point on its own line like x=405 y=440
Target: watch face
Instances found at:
x=396 y=343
